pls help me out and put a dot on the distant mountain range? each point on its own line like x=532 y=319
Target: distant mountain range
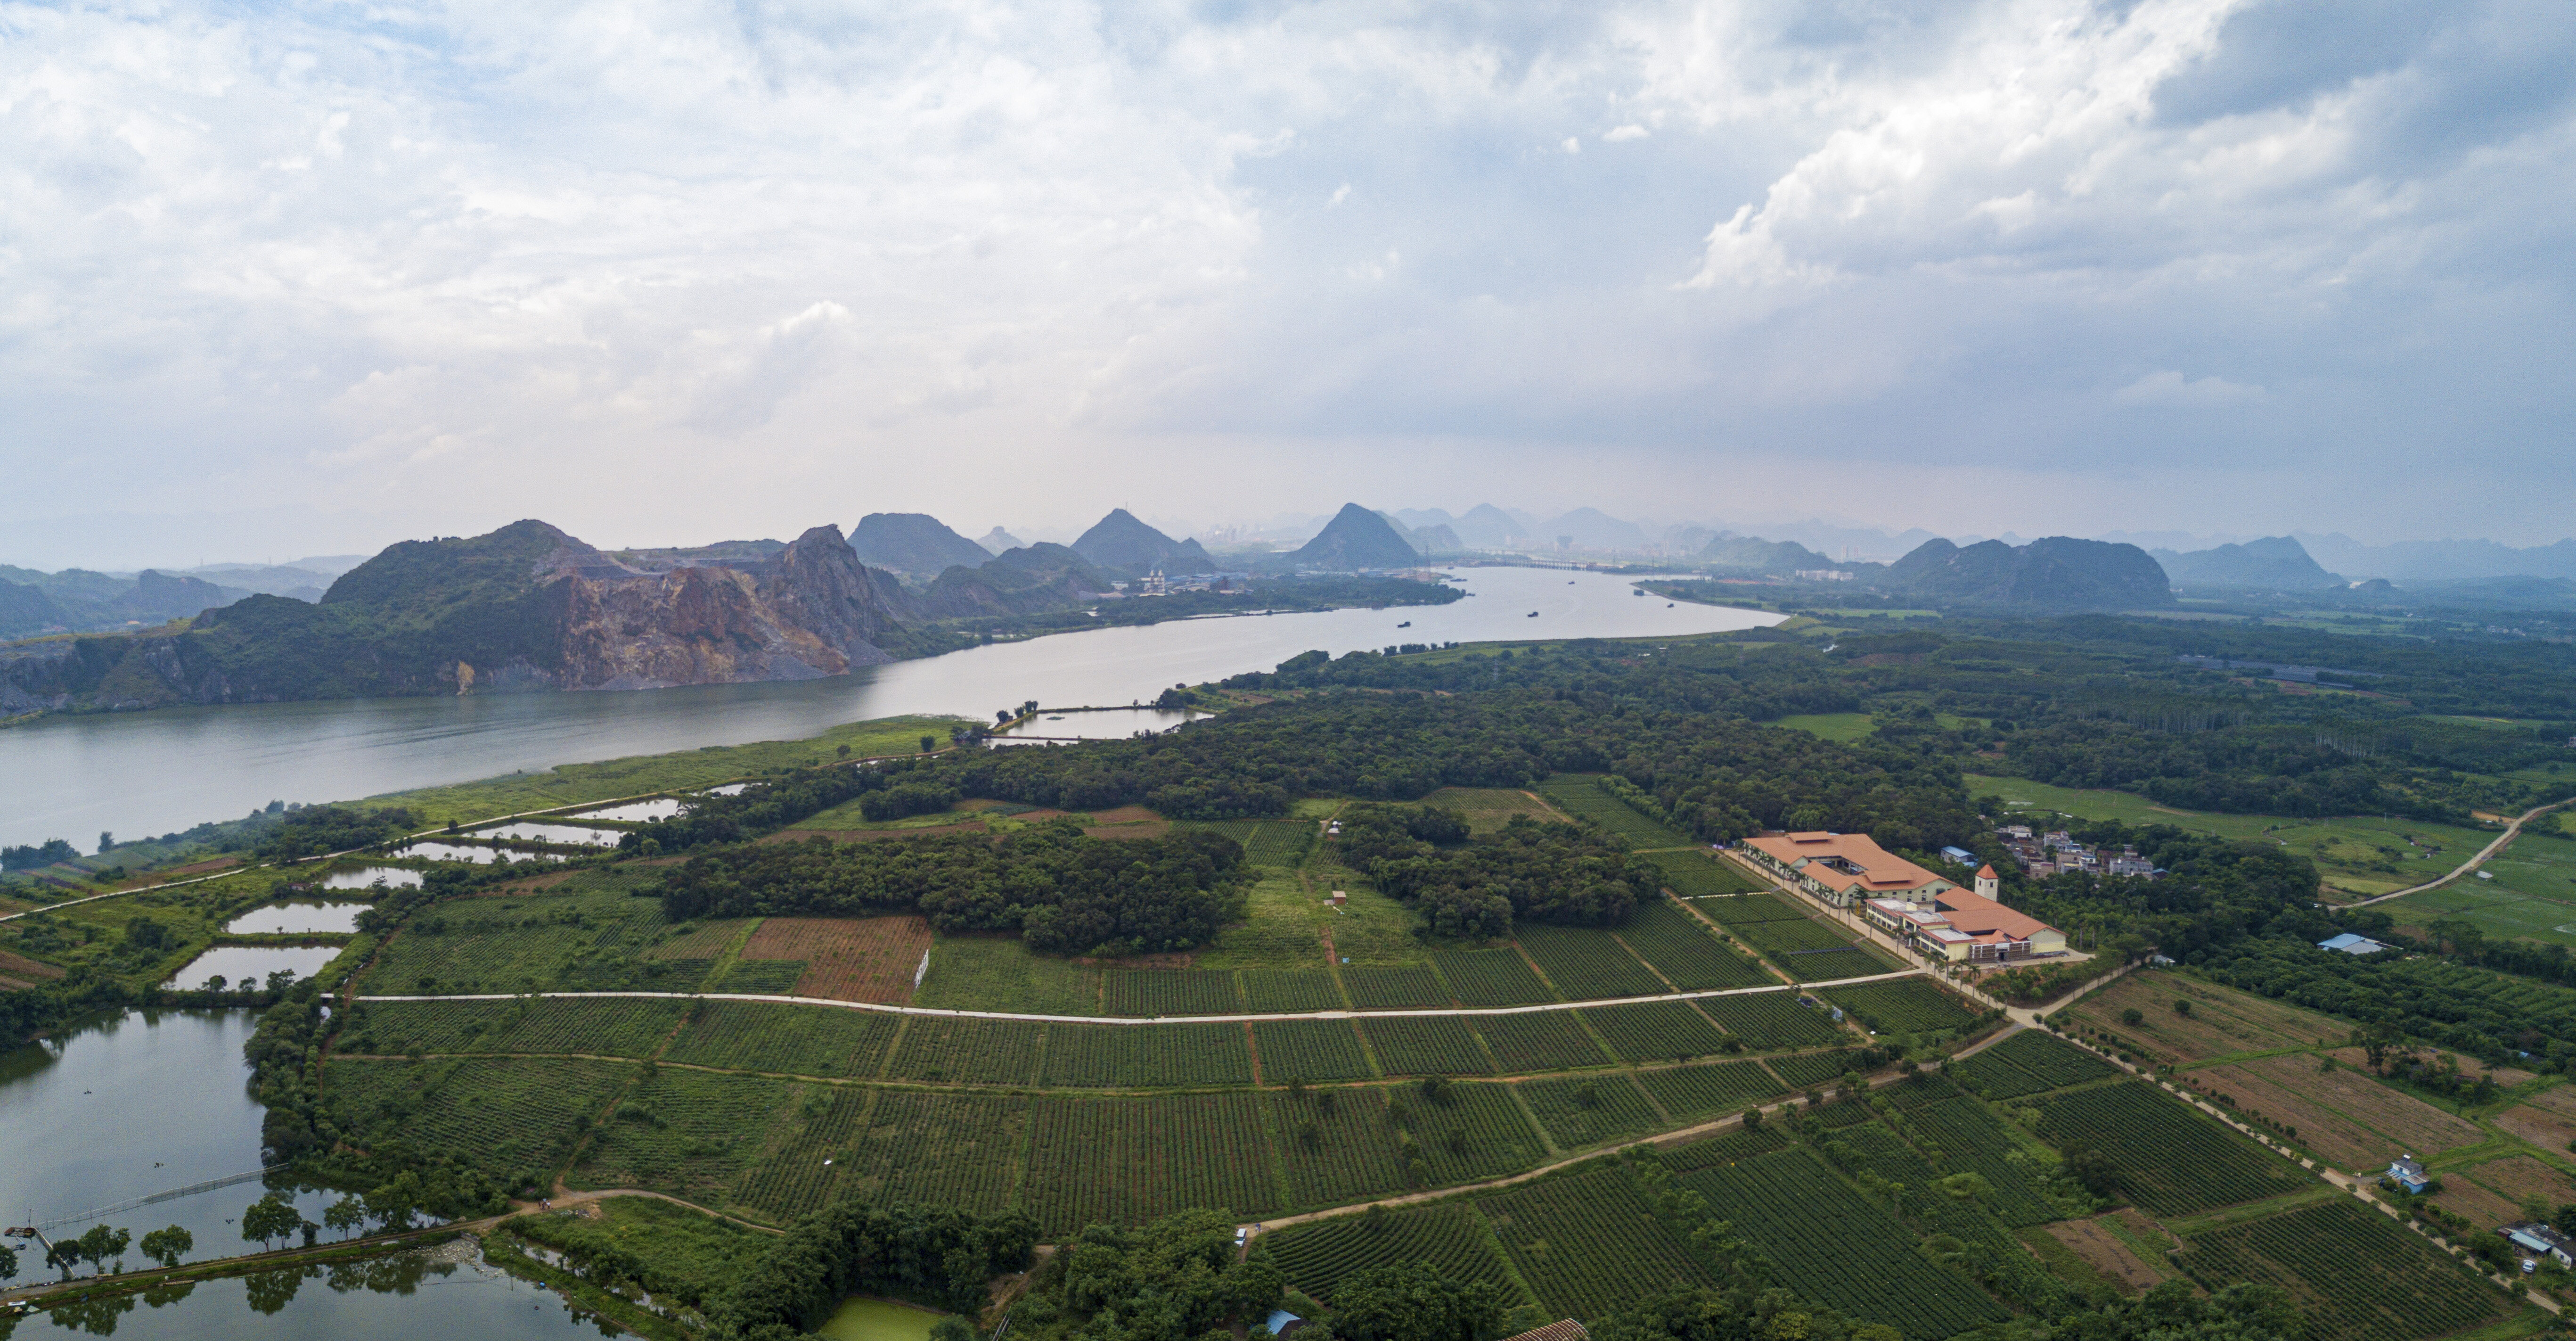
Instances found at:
x=2278 y=563
x=2056 y=572
x=913 y=543
x=1355 y=538
x=1119 y=541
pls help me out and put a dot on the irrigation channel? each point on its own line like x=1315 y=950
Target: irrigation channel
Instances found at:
x=170 y=768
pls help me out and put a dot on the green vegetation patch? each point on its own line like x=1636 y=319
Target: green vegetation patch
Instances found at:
x=1291 y=991
x=1487 y=978
x=1146 y=1056
x=1466 y=1131
x=688 y=1133
x=1905 y=1006
x=1425 y=1046
x=513 y=1116
x=1697 y=875
x=2352 y=1271
x=1150 y=992
x=580 y=942
x=1338 y=1145
x=1583 y=1110
x=1680 y=947
x=1845 y=727
x=675 y=1252
x=1588 y=1244
x=1317 y=1256
x=1588 y=965
x=1773 y=1020
x=794 y=1040
x=2171 y=1160
x=1581 y=796
x=1113 y=1160
x=1723 y=1148
x=1839 y=1249
x=2027 y=1063
x=970 y=1052
x=1540 y=1040
x=1971 y=1136
x=1807 y=1070
x=1309 y=1050
x=1652 y=1031
x=1759 y=906
x=941 y=1150
x=999 y=973
x=1689 y=1093
x=1394 y=988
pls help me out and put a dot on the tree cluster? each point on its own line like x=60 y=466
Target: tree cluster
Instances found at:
x=1064 y=893
x=315 y=830
x=937 y=1255
x=1560 y=873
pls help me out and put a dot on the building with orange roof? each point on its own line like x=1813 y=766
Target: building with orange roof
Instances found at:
x=1840 y=868
x=1935 y=916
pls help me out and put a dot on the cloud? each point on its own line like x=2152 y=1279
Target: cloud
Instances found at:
x=364 y=260
x=2169 y=388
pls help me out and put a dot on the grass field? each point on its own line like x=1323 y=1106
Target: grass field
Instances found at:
x=2532 y=895
x=1488 y=809
x=1580 y=795
x=1694 y=875
x=999 y=973
x=1841 y=726
x=2360 y=855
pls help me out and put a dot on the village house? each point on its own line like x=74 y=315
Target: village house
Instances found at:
x=2407 y=1173
x=1935 y=916
x=2540 y=1241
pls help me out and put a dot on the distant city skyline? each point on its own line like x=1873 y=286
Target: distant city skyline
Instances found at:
x=317 y=278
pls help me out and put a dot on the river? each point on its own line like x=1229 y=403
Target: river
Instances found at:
x=167 y=769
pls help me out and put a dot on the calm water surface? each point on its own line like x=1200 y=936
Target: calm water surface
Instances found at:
x=152 y=772
x=238 y=963
x=367 y=877
x=298 y=916
x=437 y=1295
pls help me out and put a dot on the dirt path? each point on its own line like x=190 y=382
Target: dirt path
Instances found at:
x=2512 y=829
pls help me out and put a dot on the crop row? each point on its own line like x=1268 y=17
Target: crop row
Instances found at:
x=1106 y=1055
x=2029 y=1062
x=1905 y=1006
x=2355 y=1273
x=2173 y=1161
x=1316 y=1257
x=1972 y=1137
x=1581 y=1110
x=1582 y=797
x=1839 y=1249
x=1680 y=946
x=789 y=1040
x=1309 y=1050
x=509 y=1116
x=689 y=1133
x=1774 y=1020
x=1692 y=1092
x=1111 y=1161
x=1749 y=908
x=1588 y=964
x=1589 y=1245
x=1172 y=992
x=1696 y=875
x=1484 y=978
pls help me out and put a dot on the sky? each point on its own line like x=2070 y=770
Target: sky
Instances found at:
x=297 y=278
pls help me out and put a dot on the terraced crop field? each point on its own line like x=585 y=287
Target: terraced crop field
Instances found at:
x=1145 y=1056
x=1696 y=875
x=1690 y=1093
x=1540 y=1040
x=793 y=1040
x=1588 y=965
x=1655 y=1031
x=1680 y=947
x=1581 y=1110
x=1128 y=1161
x=1487 y=978
x=968 y=1052
x=1309 y=1050
x=2353 y=1272
x=516 y=1115
x=1773 y=1020
x=1149 y=992
x=1290 y=991
x=1397 y=987
x=808 y=1160
x=2028 y=1062
x=1316 y=1257
x=940 y=1149
x=2176 y=1162
x=1580 y=796
x=1588 y=1244
x=1840 y=1249
x=1902 y=1006
x=688 y=1133
x=1425 y=1046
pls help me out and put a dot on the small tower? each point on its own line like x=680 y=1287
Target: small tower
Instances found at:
x=1988 y=887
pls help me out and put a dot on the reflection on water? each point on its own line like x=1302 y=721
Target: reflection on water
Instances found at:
x=299 y=916
x=238 y=964
x=480 y=856
x=571 y=834
x=444 y=1293
x=368 y=877
x=660 y=807
x=72 y=775
x=1112 y=724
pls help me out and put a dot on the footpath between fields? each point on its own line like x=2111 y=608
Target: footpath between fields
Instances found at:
x=2512 y=830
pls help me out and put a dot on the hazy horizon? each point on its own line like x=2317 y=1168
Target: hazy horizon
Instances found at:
x=316 y=278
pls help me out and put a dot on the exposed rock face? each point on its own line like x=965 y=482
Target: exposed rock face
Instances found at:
x=524 y=608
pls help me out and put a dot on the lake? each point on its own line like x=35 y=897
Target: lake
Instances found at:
x=436 y=1294
x=252 y=963
x=168 y=769
x=367 y=877
x=299 y=917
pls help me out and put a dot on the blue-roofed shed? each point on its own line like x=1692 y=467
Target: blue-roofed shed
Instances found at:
x=2352 y=943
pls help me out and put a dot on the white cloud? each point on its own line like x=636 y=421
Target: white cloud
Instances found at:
x=2166 y=387
x=350 y=257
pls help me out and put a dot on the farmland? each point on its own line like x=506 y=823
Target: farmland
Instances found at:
x=1551 y=1040
x=1581 y=796
x=1839 y=1249
x=2409 y=1290
x=1580 y=1111
x=1290 y=990
x=1150 y=992
x=1309 y=1050
x=511 y=1115
x=972 y=1052
x=1401 y=987
x=1487 y=978
x=1317 y=1256
x=1336 y=1145
x=1690 y=1093
x=1488 y=809
x=1586 y=965
x=1773 y=1020
x=1904 y=1006
x=2346 y=1116
x=1588 y=1243
x=2028 y=1062
x=1426 y=1045
x=999 y=973
x=1695 y=875
x=689 y=1133
x=1132 y=1160
x=2222 y=1022
x=846 y=959
x=794 y=1040
x=1652 y=1031
x=2175 y=1161
x=1680 y=947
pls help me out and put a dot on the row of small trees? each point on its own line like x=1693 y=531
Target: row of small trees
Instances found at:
x=267 y=1221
